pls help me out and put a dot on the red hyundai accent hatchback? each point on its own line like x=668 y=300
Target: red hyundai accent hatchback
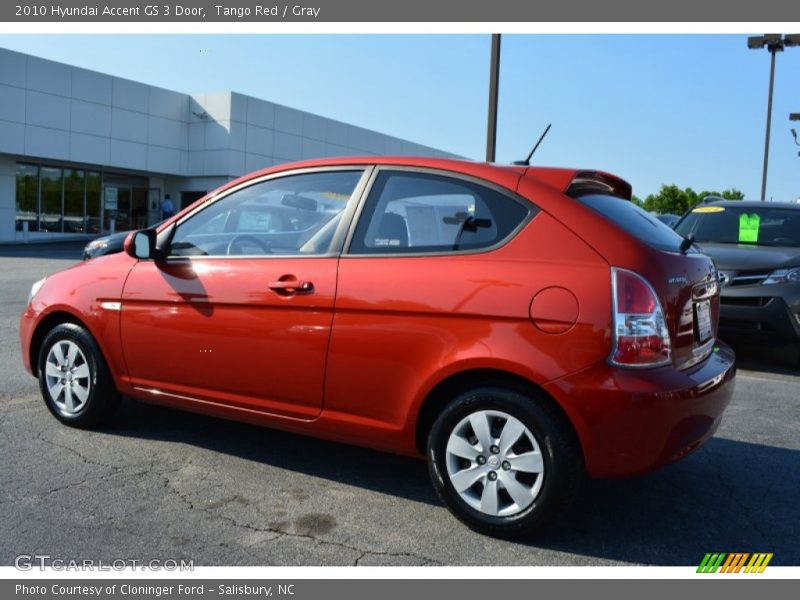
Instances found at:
x=520 y=327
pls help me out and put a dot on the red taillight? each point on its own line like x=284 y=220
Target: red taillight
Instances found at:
x=634 y=294
x=641 y=338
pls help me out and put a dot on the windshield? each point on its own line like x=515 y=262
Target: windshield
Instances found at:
x=635 y=221
x=758 y=226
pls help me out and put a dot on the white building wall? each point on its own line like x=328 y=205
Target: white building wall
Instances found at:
x=53 y=112
x=58 y=112
x=231 y=134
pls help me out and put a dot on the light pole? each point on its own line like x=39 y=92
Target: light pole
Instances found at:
x=494 y=81
x=774 y=42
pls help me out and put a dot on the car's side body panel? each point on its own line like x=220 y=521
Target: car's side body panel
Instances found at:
x=431 y=317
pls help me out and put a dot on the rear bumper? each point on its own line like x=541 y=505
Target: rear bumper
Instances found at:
x=759 y=317
x=633 y=421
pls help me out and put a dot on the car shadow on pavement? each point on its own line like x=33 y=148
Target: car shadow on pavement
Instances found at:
x=777 y=358
x=729 y=496
x=391 y=474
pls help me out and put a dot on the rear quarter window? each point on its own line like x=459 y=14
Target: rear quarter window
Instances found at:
x=633 y=220
x=416 y=212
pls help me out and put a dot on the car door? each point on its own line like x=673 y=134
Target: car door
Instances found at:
x=240 y=311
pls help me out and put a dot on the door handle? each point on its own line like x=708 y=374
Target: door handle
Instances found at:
x=288 y=285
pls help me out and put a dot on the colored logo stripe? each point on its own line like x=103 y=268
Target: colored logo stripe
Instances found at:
x=734 y=562
x=710 y=563
x=758 y=563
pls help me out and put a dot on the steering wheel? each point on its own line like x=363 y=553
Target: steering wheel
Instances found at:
x=234 y=246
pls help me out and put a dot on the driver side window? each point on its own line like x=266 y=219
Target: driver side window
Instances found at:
x=292 y=215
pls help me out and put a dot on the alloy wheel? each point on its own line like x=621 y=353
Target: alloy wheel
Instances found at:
x=495 y=463
x=67 y=377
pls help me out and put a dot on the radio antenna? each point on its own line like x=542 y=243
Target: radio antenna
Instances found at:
x=527 y=161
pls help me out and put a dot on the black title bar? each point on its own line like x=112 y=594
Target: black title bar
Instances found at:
x=439 y=11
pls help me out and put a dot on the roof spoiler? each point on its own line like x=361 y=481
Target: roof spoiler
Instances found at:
x=592 y=182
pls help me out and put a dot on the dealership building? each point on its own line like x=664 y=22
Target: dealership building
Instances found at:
x=83 y=152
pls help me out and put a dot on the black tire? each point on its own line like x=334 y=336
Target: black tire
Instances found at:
x=562 y=476
x=102 y=398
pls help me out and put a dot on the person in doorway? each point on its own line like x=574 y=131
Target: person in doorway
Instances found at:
x=167 y=209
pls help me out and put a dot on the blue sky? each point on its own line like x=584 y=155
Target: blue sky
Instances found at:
x=684 y=109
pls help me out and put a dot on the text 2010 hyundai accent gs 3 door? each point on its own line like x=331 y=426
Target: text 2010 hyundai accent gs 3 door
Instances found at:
x=520 y=327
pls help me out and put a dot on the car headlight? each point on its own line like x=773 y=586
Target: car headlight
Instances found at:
x=791 y=275
x=95 y=245
x=35 y=289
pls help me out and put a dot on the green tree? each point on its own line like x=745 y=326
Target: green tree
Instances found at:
x=733 y=194
x=672 y=199
x=729 y=194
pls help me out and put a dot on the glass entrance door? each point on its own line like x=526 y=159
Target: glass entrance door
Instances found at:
x=138 y=208
x=117 y=207
x=123 y=209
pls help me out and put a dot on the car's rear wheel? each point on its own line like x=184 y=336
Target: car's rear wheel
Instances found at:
x=503 y=462
x=74 y=379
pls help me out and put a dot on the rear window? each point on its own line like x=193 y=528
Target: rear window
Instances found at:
x=759 y=226
x=635 y=221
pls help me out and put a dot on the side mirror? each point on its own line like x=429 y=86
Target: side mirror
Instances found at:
x=141 y=244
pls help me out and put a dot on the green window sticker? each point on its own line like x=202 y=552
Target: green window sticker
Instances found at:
x=748 y=228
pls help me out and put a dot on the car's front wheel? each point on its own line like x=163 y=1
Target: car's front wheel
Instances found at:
x=74 y=379
x=503 y=462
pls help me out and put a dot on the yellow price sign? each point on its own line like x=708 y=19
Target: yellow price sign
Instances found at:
x=709 y=209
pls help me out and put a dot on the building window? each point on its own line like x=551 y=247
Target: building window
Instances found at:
x=50 y=199
x=27 y=197
x=93 y=221
x=53 y=199
x=70 y=199
x=74 y=186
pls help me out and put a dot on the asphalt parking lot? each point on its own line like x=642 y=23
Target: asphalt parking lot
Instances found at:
x=161 y=484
